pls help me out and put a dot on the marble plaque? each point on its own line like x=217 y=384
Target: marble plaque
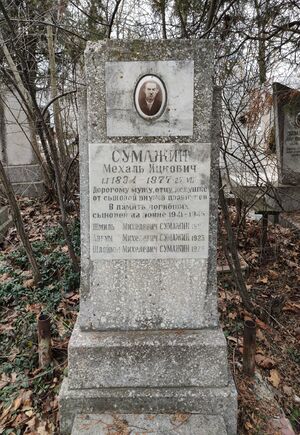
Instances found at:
x=125 y=96
x=149 y=201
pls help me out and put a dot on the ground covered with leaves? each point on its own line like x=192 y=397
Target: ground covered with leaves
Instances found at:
x=28 y=394
x=270 y=400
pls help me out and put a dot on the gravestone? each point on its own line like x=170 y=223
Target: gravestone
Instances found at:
x=147 y=345
x=16 y=151
x=286 y=103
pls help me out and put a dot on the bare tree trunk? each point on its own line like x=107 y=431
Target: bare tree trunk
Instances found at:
x=53 y=86
x=231 y=252
x=211 y=14
x=261 y=55
x=19 y=223
x=163 y=19
x=3 y=144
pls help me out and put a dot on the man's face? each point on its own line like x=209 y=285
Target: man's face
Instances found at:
x=151 y=91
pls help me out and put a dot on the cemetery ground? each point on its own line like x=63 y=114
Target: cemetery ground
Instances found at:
x=28 y=393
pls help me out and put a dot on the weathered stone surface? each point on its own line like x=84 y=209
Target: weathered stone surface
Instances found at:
x=135 y=294
x=148 y=338
x=32 y=190
x=147 y=359
x=159 y=424
x=284 y=198
x=26 y=180
x=15 y=132
x=287 y=133
x=24 y=173
x=160 y=202
x=177 y=119
x=98 y=54
x=205 y=401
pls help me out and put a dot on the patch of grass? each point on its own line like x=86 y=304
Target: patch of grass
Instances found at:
x=295 y=418
x=294 y=354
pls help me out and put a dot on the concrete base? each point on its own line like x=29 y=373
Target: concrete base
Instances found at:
x=26 y=180
x=166 y=371
x=158 y=424
x=279 y=198
x=285 y=198
x=220 y=402
x=32 y=190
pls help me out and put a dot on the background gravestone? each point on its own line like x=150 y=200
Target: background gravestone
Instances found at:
x=287 y=128
x=287 y=137
x=16 y=151
x=147 y=340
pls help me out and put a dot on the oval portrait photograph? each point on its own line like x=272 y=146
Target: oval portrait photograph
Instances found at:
x=150 y=97
x=298 y=119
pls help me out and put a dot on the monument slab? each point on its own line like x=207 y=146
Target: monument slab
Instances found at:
x=147 y=338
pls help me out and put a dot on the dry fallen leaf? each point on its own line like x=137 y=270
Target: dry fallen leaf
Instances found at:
x=263 y=280
x=5 y=277
x=264 y=362
x=274 y=378
x=5 y=414
x=233 y=339
x=295 y=308
x=28 y=283
x=248 y=425
x=261 y=337
x=273 y=274
x=32 y=423
x=17 y=403
x=261 y=324
x=34 y=308
x=287 y=390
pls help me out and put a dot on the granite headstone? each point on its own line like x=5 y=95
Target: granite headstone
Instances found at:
x=147 y=340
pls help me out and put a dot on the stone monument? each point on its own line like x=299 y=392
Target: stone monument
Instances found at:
x=147 y=350
x=16 y=152
x=287 y=138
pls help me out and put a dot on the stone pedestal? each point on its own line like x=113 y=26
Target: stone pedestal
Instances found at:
x=147 y=345
x=183 y=424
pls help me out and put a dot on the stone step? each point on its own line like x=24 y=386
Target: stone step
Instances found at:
x=107 y=359
x=203 y=401
x=158 y=424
